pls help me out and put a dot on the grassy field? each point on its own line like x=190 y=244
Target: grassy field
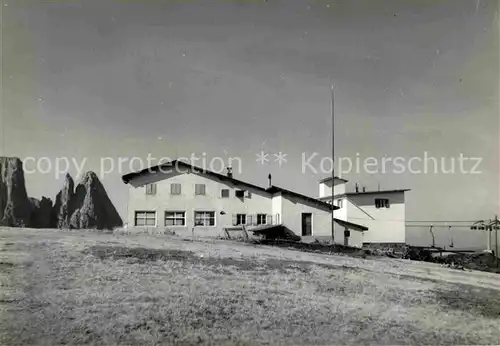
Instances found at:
x=108 y=289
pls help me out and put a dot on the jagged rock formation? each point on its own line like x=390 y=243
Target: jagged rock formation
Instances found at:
x=64 y=206
x=86 y=207
x=15 y=207
x=92 y=206
x=41 y=213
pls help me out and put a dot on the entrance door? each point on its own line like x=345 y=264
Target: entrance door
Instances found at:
x=347 y=234
x=306 y=224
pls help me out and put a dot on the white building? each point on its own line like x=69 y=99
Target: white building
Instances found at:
x=383 y=212
x=187 y=199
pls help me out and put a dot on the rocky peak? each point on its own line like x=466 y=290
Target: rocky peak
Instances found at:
x=15 y=207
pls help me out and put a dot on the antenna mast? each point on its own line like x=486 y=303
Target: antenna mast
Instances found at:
x=333 y=162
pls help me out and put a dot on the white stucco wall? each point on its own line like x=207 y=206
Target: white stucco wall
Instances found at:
x=325 y=188
x=388 y=225
x=356 y=238
x=277 y=202
x=342 y=212
x=284 y=208
x=163 y=200
x=292 y=209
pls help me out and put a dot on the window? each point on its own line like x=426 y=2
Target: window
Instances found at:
x=224 y=193
x=175 y=189
x=340 y=203
x=261 y=219
x=151 y=189
x=199 y=189
x=241 y=219
x=175 y=218
x=204 y=218
x=239 y=193
x=381 y=203
x=145 y=218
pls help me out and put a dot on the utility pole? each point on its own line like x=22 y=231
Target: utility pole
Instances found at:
x=489 y=226
x=496 y=239
x=333 y=161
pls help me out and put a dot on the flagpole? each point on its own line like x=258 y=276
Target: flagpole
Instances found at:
x=333 y=160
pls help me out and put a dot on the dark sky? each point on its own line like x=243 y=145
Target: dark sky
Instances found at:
x=97 y=78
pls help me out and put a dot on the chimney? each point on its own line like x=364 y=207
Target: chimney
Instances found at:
x=357 y=187
x=364 y=188
x=229 y=172
x=269 y=177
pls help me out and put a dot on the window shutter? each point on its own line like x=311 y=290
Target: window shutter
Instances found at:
x=151 y=189
x=175 y=189
x=235 y=220
x=269 y=219
x=255 y=220
x=249 y=219
x=199 y=189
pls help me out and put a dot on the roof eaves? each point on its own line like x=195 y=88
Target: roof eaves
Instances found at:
x=275 y=189
x=159 y=168
x=372 y=192
x=330 y=178
x=351 y=224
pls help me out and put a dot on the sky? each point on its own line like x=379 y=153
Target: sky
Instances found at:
x=94 y=79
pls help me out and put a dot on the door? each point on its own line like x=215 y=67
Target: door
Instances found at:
x=347 y=234
x=306 y=224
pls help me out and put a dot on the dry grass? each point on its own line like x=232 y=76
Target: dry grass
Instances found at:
x=87 y=288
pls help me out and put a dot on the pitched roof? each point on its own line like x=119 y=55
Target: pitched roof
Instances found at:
x=275 y=189
x=324 y=180
x=176 y=163
x=350 y=224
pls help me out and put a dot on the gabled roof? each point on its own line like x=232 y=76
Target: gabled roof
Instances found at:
x=324 y=180
x=275 y=189
x=176 y=163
